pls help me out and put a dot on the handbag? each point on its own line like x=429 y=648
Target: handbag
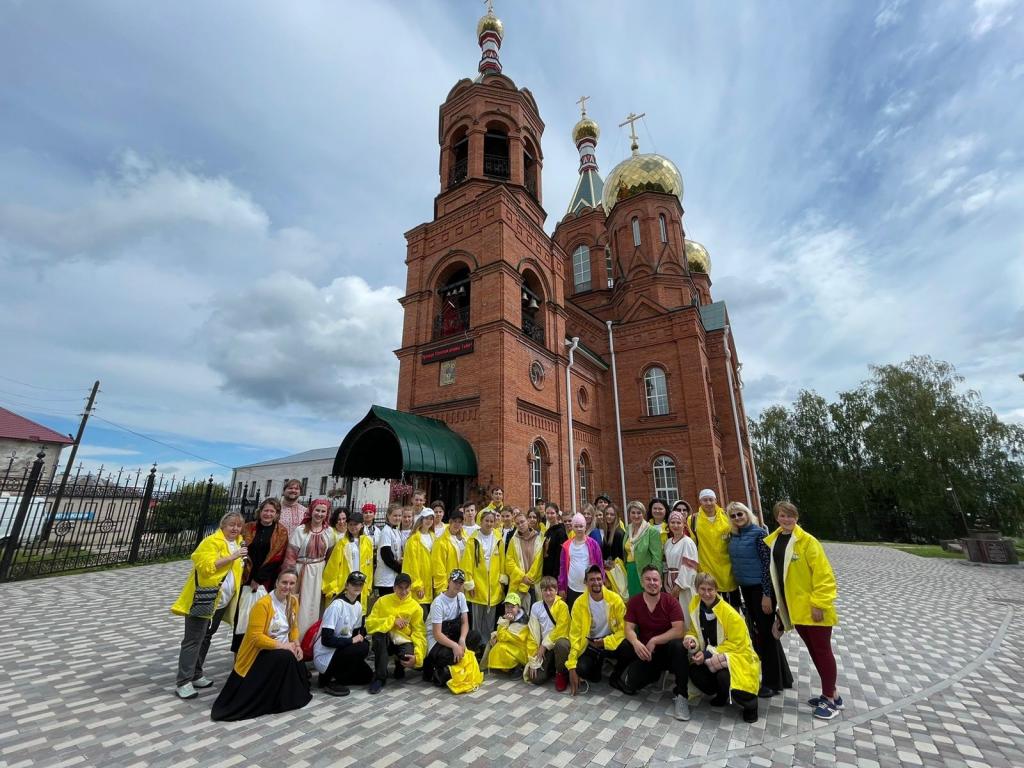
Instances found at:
x=465 y=677
x=204 y=599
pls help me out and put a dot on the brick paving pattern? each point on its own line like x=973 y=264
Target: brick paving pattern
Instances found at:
x=929 y=665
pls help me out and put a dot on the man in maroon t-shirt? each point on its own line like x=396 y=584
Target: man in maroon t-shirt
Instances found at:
x=654 y=641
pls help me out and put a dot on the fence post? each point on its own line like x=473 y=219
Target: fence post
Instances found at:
x=140 y=521
x=204 y=513
x=14 y=535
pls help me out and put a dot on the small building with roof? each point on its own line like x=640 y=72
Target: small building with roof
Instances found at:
x=20 y=441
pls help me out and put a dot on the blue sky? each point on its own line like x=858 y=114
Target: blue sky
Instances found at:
x=203 y=205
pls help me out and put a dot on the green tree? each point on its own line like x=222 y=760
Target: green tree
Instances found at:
x=184 y=508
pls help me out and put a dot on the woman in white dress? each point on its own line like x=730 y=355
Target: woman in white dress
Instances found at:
x=680 y=561
x=309 y=546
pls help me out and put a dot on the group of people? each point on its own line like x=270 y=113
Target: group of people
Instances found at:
x=702 y=594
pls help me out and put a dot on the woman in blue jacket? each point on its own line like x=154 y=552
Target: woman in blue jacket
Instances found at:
x=751 y=565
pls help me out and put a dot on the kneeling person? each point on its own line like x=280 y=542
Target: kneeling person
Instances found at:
x=596 y=629
x=547 y=645
x=396 y=627
x=508 y=649
x=654 y=641
x=448 y=633
x=340 y=651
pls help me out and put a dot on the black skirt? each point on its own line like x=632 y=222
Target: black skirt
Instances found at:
x=276 y=682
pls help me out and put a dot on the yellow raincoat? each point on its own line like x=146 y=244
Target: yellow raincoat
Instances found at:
x=444 y=558
x=712 y=537
x=466 y=675
x=211 y=549
x=510 y=641
x=416 y=561
x=483 y=584
x=516 y=569
x=338 y=568
x=579 y=625
x=382 y=619
x=733 y=640
x=490 y=508
x=807 y=579
x=560 y=612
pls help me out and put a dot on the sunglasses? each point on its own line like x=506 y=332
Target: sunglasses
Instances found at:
x=737 y=516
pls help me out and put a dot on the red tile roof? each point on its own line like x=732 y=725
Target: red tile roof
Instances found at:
x=18 y=427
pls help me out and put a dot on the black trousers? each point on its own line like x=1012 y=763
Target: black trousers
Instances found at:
x=571 y=596
x=588 y=665
x=383 y=649
x=716 y=684
x=440 y=657
x=348 y=665
x=637 y=673
x=775 y=671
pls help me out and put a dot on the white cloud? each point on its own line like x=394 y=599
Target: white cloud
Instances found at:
x=889 y=14
x=989 y=15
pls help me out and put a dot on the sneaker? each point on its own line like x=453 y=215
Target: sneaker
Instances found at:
x=335 y=689
x=186 y=691
x=376 y=686
x=826 y=710
x=202 y=682
x=680 y=708
x=817 y=701
x=322 y=681
x=561 y=681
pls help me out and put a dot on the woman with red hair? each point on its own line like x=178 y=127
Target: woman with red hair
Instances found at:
x=308 y=549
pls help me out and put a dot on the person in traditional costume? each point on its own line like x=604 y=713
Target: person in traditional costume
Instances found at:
x=642 y=546
x=710 y=529
x=578 y=553
x=680 y=561
x=341 y=648
x=396 y=628
x=269 y=676
x=448 y=632
x=309 y=548
x=353 y=552
x=293 y=514
x=509 y=640
x=210 y=595
x=267 y=543
x=522 y=560
x=547 y=647
x=483 y=562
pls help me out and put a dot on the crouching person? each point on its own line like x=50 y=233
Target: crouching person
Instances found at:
x=722 y=658
x=508 y=641
x=340 y=651
x=448 y=632
x=547 y=644
x=596 y=629
x=396 y=627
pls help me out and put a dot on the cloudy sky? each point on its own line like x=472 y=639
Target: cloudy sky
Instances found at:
x=203 y=204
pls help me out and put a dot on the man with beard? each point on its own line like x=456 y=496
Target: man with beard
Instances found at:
x=596 y=629
x=292 y=513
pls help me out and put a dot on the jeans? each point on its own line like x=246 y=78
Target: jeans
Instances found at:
x=638 y=673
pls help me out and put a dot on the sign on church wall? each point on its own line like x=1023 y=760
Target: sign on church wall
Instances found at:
x=448 y=351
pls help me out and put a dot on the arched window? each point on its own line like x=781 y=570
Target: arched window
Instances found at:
x=530 y=168
x=453 y=314
x=459 y=159
x=661 y=228
x=536 y=472
x=581 y=269
x=608 y=266
x=496 y=164
x=532 y=307
x=657 y=392
x=636 y=231
x=584 y=479
x=666 y=482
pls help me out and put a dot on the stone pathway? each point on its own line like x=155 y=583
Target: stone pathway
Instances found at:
x=929 y=665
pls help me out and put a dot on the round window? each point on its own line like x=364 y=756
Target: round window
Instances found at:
x=537 y=374
x=582 y=398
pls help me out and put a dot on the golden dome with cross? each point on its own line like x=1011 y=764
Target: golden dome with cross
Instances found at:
x=641 y=173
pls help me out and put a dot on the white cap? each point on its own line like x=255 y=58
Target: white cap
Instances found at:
x=425 y=512
x=707 y=493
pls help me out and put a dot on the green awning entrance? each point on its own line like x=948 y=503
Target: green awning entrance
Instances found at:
x=390 y=444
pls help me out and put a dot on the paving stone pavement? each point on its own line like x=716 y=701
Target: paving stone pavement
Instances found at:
x=929 y=665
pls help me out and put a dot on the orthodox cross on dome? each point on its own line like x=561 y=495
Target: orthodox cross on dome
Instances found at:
x=582 y=101
x=631 y=119
x=490 y=6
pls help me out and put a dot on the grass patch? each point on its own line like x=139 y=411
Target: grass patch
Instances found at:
x=926 y=550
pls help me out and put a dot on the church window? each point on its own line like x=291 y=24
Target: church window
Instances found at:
x=636 y=231
x=666 y=481
x=662 y=229
x=584 y=479
x=496 y=163
x=529 y=168
x=459 y=169
x=532 y=301
x=453 y=315
x=536 y=472
x=656 y=390
x=608 y=266
x=581 y=269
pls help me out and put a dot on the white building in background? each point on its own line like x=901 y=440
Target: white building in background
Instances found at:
x=313 y=470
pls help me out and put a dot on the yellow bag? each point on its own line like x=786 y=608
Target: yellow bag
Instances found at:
x=617 y=579
x=466 y=675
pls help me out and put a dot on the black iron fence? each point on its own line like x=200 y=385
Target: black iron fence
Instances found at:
x=105 y=519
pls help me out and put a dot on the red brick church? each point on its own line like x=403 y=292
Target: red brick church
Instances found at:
x=496 y=310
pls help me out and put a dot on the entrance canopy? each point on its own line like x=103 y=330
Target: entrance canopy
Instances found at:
x=388 y=443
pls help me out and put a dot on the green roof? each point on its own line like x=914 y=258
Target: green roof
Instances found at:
x=713 y=316
x=589 y=190
x=389 y=443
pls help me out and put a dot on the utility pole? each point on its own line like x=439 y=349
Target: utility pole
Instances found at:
x=45 y=533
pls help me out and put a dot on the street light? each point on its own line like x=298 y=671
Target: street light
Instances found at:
x=956 y=503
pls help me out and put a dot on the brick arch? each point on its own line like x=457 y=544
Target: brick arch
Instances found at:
x=493 y=116
x=449 y=260
x=642 y=390
x=535 y=268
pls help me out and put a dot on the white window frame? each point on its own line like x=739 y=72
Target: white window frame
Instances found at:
x=666 y=480
x=581 y=269
x=656 y=391
x=536 y=473
x=636 y=231
x=584 y=479
x=662 y=228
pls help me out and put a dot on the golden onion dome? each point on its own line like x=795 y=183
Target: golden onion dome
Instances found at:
x=697 y=258
x=642 y=173
x=585 y=129
x=490 y=23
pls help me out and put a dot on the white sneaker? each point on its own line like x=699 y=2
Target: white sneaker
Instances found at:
x=202 y=682
x=680 y=708
x=186 y=691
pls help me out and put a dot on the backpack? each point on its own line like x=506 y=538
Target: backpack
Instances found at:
x=309 y=640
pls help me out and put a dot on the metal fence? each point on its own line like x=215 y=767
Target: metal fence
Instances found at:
x=105 y=519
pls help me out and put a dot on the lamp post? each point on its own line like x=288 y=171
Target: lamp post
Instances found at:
x=956 y=503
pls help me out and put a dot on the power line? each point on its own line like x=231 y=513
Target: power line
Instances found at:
x=36 y=409
x=20 y=396
x=161 y=442
x=36 y=386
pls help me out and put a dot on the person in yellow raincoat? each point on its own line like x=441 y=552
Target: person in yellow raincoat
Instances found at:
x=446 y=554
x=523 y=560
x=710 y=529
x=547 y=646
x=496 y=505
x=353 y=552
x=508 y=642
x=416 y=559
x=805 y=588
x=483 y=562
x=396 y=627
x=722 y=658
x=597 y=627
